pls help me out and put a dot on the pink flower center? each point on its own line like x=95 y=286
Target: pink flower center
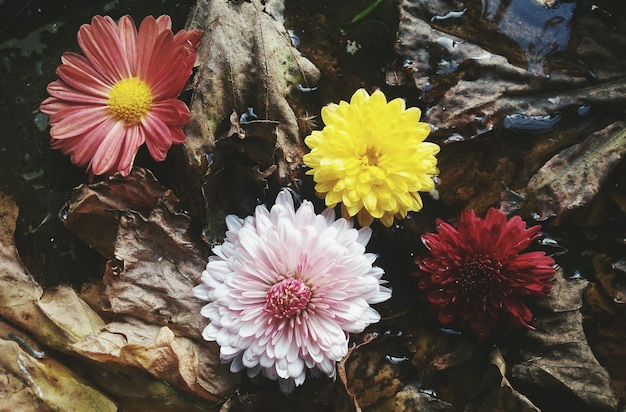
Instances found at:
x=480 y=276
x=129 y=100
x=287 y=298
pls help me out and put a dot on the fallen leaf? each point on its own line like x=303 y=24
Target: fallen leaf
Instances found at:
x=379 y=376
x=247 y=64
x=182 y=362
x=245 y=60
x=93 y=211
x=612 y=277
x=570 y=180
x=605 y=321
x=33 y=384
x=556 y=355
x=499 y=80
x=495 y=392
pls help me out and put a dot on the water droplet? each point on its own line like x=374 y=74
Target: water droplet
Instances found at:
x=430 y=392
x=450 y=331
x=454 y=138
x=396 y=359
x=576 y=275
x=583 y=110
x=548 y=241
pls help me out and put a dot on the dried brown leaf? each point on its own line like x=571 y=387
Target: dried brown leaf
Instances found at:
x=378 y=382
x=556 y=355
x=570 y=180
x=31 y=383
x=61 y=319
x=93 y=211
x=246 y=61
x=495 y=392
x=180 y=361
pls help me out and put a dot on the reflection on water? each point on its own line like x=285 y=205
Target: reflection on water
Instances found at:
x=540 y=27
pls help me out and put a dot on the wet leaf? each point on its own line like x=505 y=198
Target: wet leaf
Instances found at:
x=605 y=321
x=556 y=355
x=379 y=376
x=156 y=262
x=504 y=73
x=570 y=180
x=612 y=277
x=245 y=60
x=156 y=265
x=33 y=384
x=496 y=393
x=246 y=63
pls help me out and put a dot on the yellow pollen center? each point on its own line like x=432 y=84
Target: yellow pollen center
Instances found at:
x=129 y=100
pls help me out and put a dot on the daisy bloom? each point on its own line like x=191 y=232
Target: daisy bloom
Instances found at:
x=476 y=275
x=286 y=288
x=121 y=93
x=371 y=157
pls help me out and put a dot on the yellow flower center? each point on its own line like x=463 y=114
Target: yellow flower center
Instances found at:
x=370 y=158
x=129 y=100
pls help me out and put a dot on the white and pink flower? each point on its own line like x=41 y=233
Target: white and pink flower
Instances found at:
x=286 y=288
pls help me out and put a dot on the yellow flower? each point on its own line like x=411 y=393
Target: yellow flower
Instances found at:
x=372 y=158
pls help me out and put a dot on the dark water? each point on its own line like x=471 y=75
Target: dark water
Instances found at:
x=33 y=36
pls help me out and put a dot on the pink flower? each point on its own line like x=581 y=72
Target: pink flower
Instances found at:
x=476 y=275
x=122 y=93
x=285 y=290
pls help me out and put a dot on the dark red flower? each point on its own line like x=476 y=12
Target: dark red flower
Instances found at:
x=476 y=275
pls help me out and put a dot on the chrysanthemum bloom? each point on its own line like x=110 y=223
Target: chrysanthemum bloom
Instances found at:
x=371 y=157
x=122 y=93
x=285 y=290
x=476 y=275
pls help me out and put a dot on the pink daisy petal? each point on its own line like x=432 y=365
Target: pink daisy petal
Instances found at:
x=79 y=122
x=127 y=33
x=164 y=22
x=83 y=148
x=81 y=63
x=172 y=112
x=63 y=91
x=82 y=82
x=177 y=135
x=161 y=138
x=146 y=41
x=102 y=46
x=108 y=154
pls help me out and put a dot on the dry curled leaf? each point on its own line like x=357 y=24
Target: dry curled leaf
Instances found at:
x=61 y=319
x=94 y=210
x=246 y=59
x=556 y=355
